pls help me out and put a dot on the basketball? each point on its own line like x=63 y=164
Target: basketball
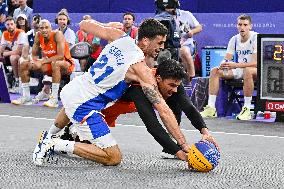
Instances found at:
x=203 y=156
x=81 y=50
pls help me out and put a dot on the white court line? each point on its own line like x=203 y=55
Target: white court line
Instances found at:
x=187 y=130
x=215 y=132
x=36 y=118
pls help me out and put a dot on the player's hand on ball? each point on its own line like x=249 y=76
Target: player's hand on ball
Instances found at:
x=181 y=155
x=185 y=147
x=211 y=139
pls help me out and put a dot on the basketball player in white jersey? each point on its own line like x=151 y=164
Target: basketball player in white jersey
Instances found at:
x=120 y=63
x=244 y=47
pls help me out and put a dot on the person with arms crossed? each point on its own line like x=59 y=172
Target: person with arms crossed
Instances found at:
x=120 y=63
x=244 y=47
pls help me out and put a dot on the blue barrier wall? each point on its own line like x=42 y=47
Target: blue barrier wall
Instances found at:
x=147 y=6
x=218 y=28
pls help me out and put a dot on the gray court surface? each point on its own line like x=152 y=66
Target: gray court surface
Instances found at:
x=251 y=156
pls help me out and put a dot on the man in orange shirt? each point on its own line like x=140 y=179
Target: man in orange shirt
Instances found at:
x=56 y=62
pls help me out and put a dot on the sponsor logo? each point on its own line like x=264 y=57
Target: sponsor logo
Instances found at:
x=49 y=52
x=208 y=60
x=275 y=106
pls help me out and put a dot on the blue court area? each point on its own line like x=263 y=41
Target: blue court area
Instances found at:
x=251 y=156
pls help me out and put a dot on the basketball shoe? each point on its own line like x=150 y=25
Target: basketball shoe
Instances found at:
x=41 y=96
x=165 y=154
x=244 y=114
x=209 y=112
x=44 y=148
x=22 y=101
x=52 y=102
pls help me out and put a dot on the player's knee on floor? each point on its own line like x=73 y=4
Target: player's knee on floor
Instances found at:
x=114 y=156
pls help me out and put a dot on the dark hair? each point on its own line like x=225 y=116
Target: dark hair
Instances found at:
x=170 y=69
x=27 y=27
x=9 y=18
x=150 y=28
x=170 y=4
x=37 y=18
x=129 y=13
x=245 y=17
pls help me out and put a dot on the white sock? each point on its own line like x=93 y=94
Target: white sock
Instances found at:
x=247 y=102
x=26 y=90
x=212 y=100
x=64 y=145
x=55 y=88
x=53 y=130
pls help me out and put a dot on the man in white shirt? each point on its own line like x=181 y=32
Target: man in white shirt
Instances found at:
x=12 y=42
x=244 y=47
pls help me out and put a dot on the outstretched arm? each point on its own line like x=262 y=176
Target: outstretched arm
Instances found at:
x=149 y=86
x=180 y=101
x=149 y=118
x=109 y=32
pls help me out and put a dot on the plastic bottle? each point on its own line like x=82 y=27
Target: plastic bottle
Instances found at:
x=225 y=70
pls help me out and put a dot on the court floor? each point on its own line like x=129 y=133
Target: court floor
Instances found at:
x=251 y=156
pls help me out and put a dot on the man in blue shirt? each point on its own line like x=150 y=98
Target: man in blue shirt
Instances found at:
x=23 y=9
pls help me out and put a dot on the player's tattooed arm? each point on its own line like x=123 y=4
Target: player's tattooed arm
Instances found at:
x=152 y=94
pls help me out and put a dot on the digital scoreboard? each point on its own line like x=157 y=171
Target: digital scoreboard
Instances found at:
x=270 y=73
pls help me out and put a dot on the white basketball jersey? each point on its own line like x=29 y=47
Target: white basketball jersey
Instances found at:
x=104 y=82
x=114 y=61
x=244 y=50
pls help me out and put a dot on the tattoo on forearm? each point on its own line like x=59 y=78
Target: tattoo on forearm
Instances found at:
x=152 y=95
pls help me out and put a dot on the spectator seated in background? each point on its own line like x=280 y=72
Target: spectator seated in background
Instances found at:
x=12 y=6
x=56 y=62
x=35 y=28
x=23 y=9
x=3 y=14
x=36 y=77
x=82 y=36
x=62 y=20
x=244 y=47
x=128 y=25
x=22 y=23
x=12 y=42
